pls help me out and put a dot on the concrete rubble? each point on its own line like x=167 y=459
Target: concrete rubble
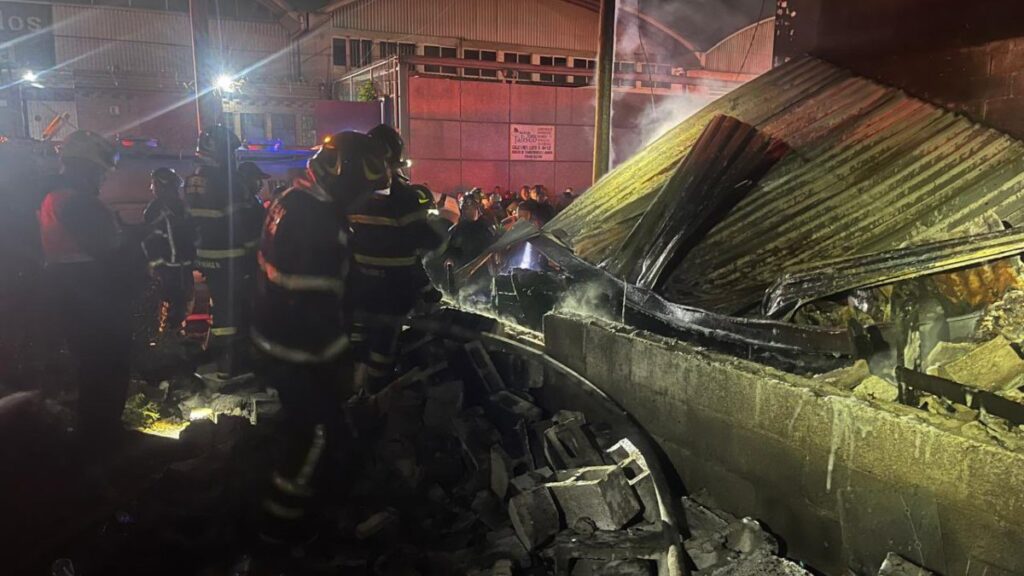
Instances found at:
x=460 y=471
x=896 y=565
x=990 y=366
x=723 y=545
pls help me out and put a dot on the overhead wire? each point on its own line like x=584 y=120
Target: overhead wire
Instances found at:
x=647 y=61
x=753 y=37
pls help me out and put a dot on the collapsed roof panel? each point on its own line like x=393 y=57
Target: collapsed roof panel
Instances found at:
x=872 y=169
x=725 y=162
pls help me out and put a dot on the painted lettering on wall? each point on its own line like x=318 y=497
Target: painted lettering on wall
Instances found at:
x=26 y=35
x=531 y=142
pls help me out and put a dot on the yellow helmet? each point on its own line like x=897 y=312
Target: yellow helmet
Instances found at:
x=88 y=145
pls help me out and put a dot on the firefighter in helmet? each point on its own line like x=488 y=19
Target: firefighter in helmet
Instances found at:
x=301 y=324
x=170 y=248
x=85 y=273
x=228 y=221
x=390 y=235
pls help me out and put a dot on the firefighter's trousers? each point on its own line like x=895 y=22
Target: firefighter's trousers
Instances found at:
x=312 y=437
x=92 y=317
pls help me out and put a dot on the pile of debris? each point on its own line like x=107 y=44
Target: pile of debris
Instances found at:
x=967 y=369
x=467 y=474
x=721 y=544
x=458 y=470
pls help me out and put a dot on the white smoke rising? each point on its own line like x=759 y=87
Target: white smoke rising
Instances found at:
x=589 y=299
x=702 y=23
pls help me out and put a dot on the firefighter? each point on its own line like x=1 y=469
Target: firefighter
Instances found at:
x=301 y=323
x=251 y=178
x=228 y=220
x=390 y=235
x=170 y=249
x=86 y=276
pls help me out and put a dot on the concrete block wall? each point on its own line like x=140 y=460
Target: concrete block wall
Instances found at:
x=842 y=481
x=967 y=56
x=984 y=82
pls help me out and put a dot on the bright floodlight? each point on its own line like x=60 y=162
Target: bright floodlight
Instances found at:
x=30 y=76
x=225 y=83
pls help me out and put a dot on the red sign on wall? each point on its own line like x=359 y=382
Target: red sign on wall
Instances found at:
x=531 y=142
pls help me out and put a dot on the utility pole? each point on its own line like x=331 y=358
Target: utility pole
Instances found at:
x=208 y=107
x=603 y=80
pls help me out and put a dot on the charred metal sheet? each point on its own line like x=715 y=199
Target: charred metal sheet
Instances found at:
x=912 y=383
x=725 y=162
x=872 y=169
x=644 y=307
x=793 y=290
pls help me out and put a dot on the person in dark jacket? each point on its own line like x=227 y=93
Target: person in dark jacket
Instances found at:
x=470 y=237
x=86 y=277
x=391 y=233
x=251 y=178
x=228 y=220
x=539 y=205
x=170 y=249
x=302 y=323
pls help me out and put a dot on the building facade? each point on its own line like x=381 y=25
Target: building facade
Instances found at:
x=125 y=68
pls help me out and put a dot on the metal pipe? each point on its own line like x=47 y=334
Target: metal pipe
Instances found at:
x=605 y=71
x=208 y=105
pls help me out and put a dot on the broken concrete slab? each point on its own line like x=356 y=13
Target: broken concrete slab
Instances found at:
x=944 y=353
x=530 y=480
x=505 y=545
x=848 y=377
x=489 y=509
x=634 y=466
x=568 y=445
x=759 y=565
x=896 y=565
x=747 y=536
x=484 y=367
x=991 y=366
x=534 y=517
x=501 y=466
x=600 y=493
x=444 y=402
x=875 y=388
x=507 y=410
x=630 y=567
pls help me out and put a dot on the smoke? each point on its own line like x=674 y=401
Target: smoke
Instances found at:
x=695 y=25
x=590 y=299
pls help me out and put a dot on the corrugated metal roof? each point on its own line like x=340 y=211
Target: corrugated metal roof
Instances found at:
x=128 y=40
x=872 y=169
x=538 y=23
x=748 y=51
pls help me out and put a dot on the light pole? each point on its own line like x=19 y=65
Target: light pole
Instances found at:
x=605 y=71
x=31 y=78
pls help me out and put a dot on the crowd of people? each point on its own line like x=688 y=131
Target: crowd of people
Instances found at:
x=483 y=217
